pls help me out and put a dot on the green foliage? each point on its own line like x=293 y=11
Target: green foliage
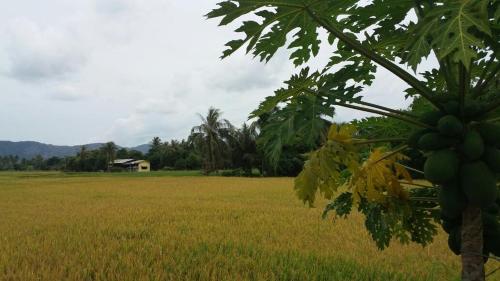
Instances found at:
x=450 y=98
x=453 y=30
x=211 y=138
x=342 y=205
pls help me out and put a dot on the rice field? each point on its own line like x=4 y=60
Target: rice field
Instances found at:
x=121 y=227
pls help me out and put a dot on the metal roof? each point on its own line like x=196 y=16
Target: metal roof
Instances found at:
x=137 y=162
x=123 y=161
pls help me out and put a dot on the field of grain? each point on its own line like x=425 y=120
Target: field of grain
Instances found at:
x=75 y=227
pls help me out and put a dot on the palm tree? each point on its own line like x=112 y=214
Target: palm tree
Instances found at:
x=110 y=151
x=82 y=156
x=244 y=147
x=211 y=136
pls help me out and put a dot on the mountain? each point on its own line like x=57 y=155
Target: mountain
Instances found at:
x=30 y=149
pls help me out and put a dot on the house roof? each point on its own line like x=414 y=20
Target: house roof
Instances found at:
x=137 y=162
x=123 y=161
x=128 y=161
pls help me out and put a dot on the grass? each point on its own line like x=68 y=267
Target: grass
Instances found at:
x=158 y=227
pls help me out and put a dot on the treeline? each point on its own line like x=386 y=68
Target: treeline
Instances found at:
x=85 y=161
x=215 y=146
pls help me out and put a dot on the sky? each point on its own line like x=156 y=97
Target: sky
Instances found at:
x=84 y=71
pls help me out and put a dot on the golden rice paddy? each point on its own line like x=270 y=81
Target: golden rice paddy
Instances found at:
x=60 y=227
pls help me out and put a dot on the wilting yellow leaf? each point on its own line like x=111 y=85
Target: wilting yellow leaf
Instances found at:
x=341 y=133
x=378 y=179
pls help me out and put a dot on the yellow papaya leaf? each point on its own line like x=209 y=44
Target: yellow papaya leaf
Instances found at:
x=341 y=133
x=378 y=178
x=323 y=170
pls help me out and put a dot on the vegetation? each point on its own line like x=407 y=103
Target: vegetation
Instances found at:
x=211 y=136
x=85 y=161
x=146 y=227
x=461 y=90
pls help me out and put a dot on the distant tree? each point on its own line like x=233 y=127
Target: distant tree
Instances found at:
x=110 y=151
x=135 y=154
x=211 y=137
x=244 y=148
x=122 y=153
x=155 y=154
x=82 y=158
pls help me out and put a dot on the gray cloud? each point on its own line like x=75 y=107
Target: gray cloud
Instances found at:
x=249 y=75
x=65 y=92
x=37 y=54
x=111 y=6
x=129 y=70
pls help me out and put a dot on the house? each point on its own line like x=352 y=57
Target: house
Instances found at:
x=132 y=165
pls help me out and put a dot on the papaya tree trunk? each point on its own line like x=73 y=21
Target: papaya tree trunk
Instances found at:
x=472 y=245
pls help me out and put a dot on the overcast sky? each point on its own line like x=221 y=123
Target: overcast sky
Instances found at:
x=81 y=71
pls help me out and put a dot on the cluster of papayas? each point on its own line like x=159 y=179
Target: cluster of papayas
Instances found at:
x=463 y=159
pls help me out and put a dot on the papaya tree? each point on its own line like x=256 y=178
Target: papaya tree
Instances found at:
x=446 y=51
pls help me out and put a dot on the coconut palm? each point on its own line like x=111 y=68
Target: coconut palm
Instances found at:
x=210 y=137
x=244 y=147
x=110 y=152
x=82 y=157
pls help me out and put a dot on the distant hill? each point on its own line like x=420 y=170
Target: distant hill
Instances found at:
x=30 y=149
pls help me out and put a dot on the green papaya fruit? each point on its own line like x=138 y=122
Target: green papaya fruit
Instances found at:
x=478 y=183
x=450 y=125
x=455 y=240
x=493 y=209
x=491 y=234
x=450 y=224
x=473 y=109
x=490 y=133
x=473 y=146
x=441 y=166
x=452 y=200
x=492 y=158
x=452 y=107
x=434 y=141
x=431 y=118
x=415 y=137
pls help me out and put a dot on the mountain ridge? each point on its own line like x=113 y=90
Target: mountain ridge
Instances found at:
x=30 y=149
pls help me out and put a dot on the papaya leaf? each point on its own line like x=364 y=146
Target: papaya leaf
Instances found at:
x=323 y=170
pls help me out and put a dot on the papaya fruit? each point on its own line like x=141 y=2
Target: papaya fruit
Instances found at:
x=431 y=118
x=492 y=158
x=452 y=200
x=455 y=240
x=490 y=133
x=478 y=184
x=490 y=223
x=492 y=243
x=450 y=125
x=491 y=234
x=441 y=166
x=415 y=137
x=473 y=109
x=493 y=209
x=452 y=107
x=434 y=141
x=449 y=224
x=473 y=146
